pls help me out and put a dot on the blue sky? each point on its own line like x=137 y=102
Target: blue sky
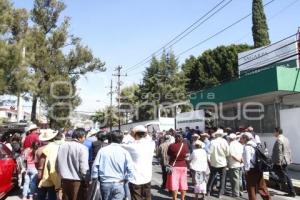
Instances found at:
x=123 y=32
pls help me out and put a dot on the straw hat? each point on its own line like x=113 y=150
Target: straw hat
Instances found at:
x=139 y=128
x=91 y=133
x=219 y=133
x=232 y=136
x=47 y=134
x=199 y=143
x=204 y=135
x=31 y=127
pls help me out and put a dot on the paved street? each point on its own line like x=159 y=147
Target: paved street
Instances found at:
x=159 y=194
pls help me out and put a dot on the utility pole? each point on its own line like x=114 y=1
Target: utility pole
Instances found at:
x=110 y=109
x=119 y=83
x=19 y=99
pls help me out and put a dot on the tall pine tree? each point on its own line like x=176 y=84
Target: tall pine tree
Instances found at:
x=260 y=27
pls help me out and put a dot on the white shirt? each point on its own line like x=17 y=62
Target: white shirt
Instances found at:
x=141 y=152
x=219 y=151
x=236 y=150
x=249 y=155
x=199 y=160
x=257 y=139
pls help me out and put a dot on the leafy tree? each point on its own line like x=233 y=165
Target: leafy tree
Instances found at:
x=56 y=57
x=260 y=27
x=106 y=117
x=14 y=77
x=212 y=67
x=162 y=85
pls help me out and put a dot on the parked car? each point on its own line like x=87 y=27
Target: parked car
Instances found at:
x=8 y=171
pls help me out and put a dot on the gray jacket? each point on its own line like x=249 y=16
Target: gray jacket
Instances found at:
x=282 y=154
x=72 y=161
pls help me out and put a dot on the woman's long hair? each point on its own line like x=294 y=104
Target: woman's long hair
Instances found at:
x=34 y=147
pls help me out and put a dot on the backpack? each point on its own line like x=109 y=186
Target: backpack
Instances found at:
x=263 y=162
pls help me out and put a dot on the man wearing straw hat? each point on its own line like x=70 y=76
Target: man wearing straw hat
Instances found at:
x=50 y=179
x=219 y=151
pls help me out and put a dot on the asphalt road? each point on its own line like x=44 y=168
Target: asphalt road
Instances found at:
x=159 y=194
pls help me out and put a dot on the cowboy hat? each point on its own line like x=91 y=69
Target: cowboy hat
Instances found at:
x=31 y=127
x=204 y=135
x=219 y=133
x=47 y=134
x=248 y=135
x=232 y=136
x=139 y=128
x=199 y=143
x=91 y=133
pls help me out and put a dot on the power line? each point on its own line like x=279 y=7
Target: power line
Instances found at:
x=186 y=32
x=270 y=19
x=265 y=47
x=221 y=31
x=267 y=53
x=281 y=57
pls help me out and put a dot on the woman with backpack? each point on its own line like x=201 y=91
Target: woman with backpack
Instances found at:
x=254 y=177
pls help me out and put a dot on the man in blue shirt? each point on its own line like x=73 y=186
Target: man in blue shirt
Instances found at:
x=113 y=166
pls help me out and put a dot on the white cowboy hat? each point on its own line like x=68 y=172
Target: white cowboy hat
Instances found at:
x=47 y=134
x=31 y=127
x=204 y=135
x=139 y=128
x=232 y=136
x=249 y=135
x=91 y=133
x=199 y=143
x=219 y=133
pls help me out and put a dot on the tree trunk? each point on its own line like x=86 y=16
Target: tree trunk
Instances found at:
x=33 y=109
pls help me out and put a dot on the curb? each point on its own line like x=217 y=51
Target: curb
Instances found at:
x=272 y=184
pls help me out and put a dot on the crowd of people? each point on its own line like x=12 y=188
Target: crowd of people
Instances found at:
x=81 y=165
x=218 y=157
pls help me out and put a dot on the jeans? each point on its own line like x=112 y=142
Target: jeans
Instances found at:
x=126 y=189
x=283 y=176
x=43 y=191
x=30 y=183
x=235 y=177
x=213 y=173
x=112 y=191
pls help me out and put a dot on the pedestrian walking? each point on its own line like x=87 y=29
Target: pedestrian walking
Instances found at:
x=177 y=178
x=199 y=165
x=256 y=137
x=163 y=157
x=113 y=166
x=235 y=162
x=141 y=151
x=32 y=135
x=30 y=179
x=254 y=177
x=50 y=181
x=218 y=153
x=204 y=137
x=282 y=158
x=97 y=145
x=73 y=166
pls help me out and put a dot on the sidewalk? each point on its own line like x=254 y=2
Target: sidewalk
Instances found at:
x=295 y=175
